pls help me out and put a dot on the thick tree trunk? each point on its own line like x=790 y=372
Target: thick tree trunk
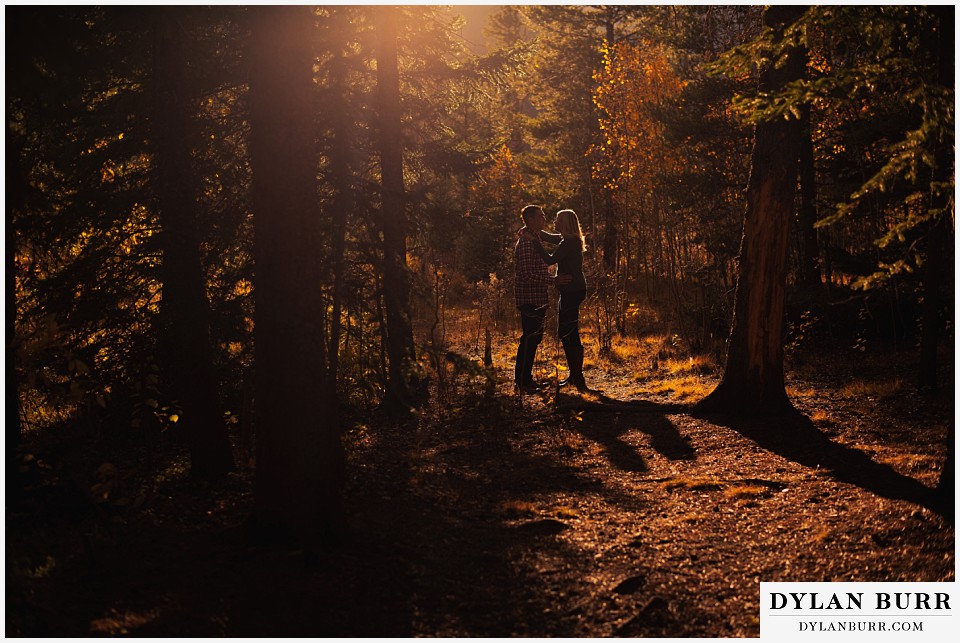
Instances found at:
x=809 y=248
x=185 y=311
x=942 y=230
x=932 y=287
x=396 y=287
x=299 y=454
x=753 y=380
x=939 y=230
x=16 y=198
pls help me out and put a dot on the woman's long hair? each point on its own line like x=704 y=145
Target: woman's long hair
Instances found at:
x=569 y=226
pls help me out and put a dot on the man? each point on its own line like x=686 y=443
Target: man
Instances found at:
x=532 y=279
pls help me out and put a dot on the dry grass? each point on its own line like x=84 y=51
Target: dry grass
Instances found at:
x=696 y=364
x=692 y=484
x=658 y=363
x=878 y=390
x=910 y=462
x=634 y=350
x=820 y=416
x=746 y=491
x=686 y=388
x=802 y=393
x=661 y=364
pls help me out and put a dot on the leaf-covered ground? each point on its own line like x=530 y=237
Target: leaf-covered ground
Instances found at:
x=619 y=512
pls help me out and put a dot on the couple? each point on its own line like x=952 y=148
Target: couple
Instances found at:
x=531 y=263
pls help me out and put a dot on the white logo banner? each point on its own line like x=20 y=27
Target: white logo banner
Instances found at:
x=910 y=611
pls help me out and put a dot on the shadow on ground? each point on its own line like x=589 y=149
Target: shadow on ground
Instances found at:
x=795 y=437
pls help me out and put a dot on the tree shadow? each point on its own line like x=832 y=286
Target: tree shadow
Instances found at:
x=643 y=415
x=795 y=437
x=492 y=496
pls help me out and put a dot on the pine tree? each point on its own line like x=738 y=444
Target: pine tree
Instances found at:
x=299 y=455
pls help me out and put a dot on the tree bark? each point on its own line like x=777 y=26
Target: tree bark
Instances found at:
x=932 y=286
x=939 y=229
x=299 y=454
x=184 y=310
x=809 y=248
x=16 y=199
x=945 y=171
x=396 y=287
x=611 y=241
x=341 y=178
x=753 y=379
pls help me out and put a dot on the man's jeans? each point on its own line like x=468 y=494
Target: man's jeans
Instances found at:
x=531 y=322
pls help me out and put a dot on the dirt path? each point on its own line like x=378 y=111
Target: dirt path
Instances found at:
x=615 y=513
x=647 y=522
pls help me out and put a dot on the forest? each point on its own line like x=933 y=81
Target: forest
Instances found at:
x=260 y=276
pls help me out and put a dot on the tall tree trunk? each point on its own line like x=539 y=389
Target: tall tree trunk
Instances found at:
x=341 y=178
x=939 y=229
x=185 y=311
x=396 y=286
x=809 y=249
x=945 y=171
x=611 y=241
x=932 y=300
x=16 y=185
x=753 y=380
x=299 y=454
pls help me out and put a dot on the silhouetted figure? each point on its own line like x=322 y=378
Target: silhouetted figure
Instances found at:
x=531 y=280
x=569 y=259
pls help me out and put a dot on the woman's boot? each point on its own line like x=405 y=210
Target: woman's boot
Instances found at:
x=576 y=369
x=574 y=355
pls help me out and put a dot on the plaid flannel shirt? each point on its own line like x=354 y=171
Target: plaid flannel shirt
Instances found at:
x=532 y=277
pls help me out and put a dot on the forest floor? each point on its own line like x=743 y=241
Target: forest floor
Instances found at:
x=618 y=512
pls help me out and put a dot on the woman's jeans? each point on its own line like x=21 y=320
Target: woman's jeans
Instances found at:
x=531 y=324
x=568 y=329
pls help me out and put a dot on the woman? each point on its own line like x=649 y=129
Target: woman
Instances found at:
x=569 y=259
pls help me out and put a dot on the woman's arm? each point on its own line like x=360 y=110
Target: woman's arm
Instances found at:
x=551 y=237
x=548 y=258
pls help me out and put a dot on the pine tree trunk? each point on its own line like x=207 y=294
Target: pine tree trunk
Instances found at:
x=396 y=287
x=299 y=454
x=184 y=308
x=932 y=286
x=809 y=250
x=939 y=230
x=611 y=241
x=16 y=196
x=342 y=181
x=946 y=486
x=753 y=379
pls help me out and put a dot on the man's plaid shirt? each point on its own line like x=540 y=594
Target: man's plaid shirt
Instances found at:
x=531 y=275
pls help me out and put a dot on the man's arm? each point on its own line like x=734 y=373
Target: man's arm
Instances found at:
x=528 y=264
